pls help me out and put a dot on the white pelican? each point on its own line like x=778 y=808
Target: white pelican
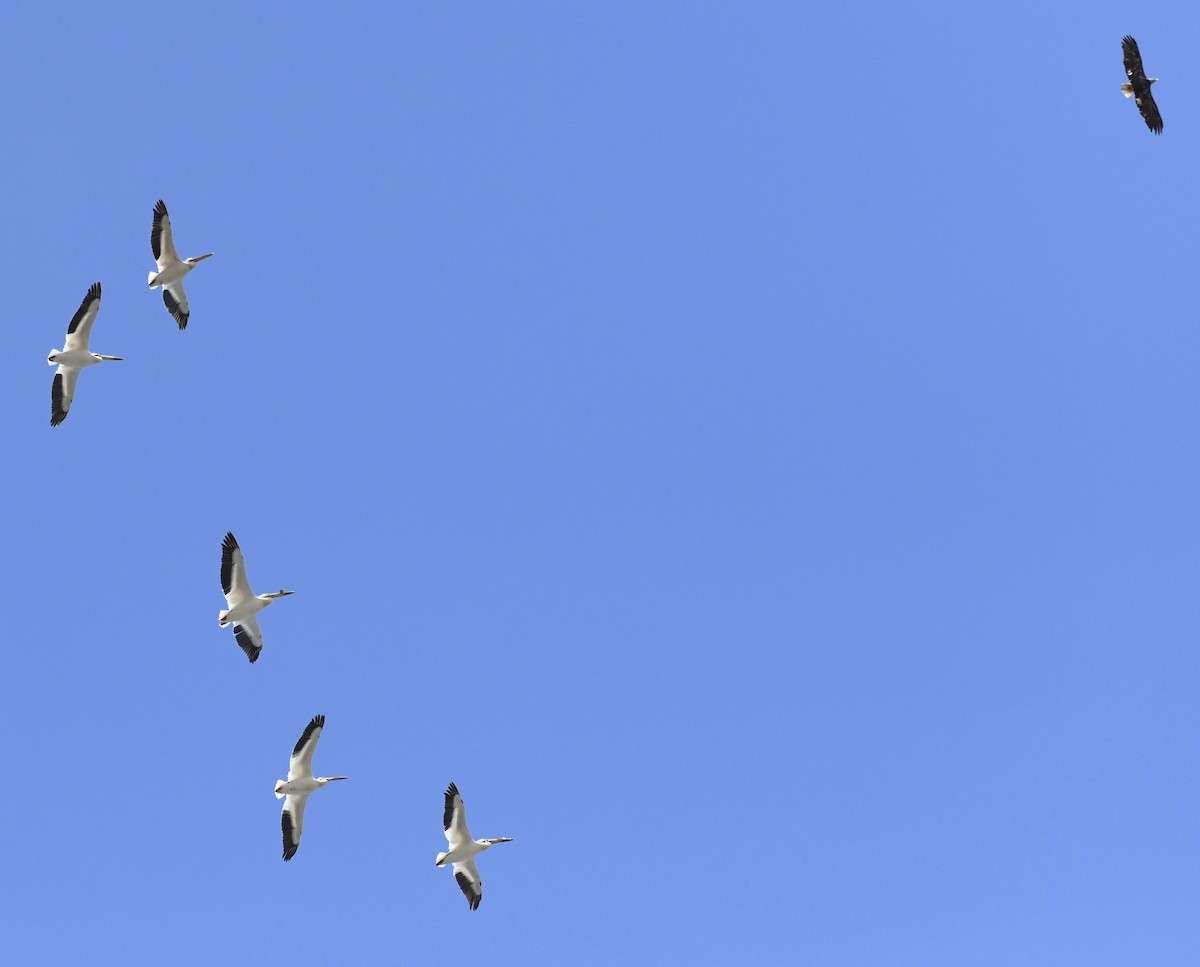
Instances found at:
x=74 y=356
x=300 y=783
x=243 y=603
x=463 y=849
x=171 y=268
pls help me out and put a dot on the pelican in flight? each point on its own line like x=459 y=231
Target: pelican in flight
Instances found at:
x=243 y=603
x=74 y=356
x=171 y=268
x=300 y=783
x=463 y=849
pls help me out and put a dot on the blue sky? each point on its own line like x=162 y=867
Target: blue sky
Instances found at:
x=751 y=449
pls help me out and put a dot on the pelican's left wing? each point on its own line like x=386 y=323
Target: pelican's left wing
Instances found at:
x=233 y=572
x=62 y=391
x=467 y=877
x=80 y=327
x=176 y=302
x=300 y=766
x=454 y=819
x=162 y=245
x=248 y=637
x=292 y=822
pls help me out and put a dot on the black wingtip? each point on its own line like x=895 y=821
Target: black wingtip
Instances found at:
x=57 y=413
x=318 y=722
x=289 y=847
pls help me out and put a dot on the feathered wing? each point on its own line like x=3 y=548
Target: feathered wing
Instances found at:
x=1149 y=109
x=454 y=819
x=62 y=391
x=248 y=637
x=80 y=326
x=176 y=302
x=300 y=765
x=162 y=245
x=234 y=583
x=467 y=877
x=292 y=822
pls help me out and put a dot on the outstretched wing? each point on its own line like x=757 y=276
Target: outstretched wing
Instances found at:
x=162 y=245
x=1149 y=109
x=292 y=821
x=1133 y=60
x=454 y=819
x=80 y=327
x=62 y=391
x=300 y=766
x=176 y=302
x=248 y=637
x=233 y=573
x=468 y=880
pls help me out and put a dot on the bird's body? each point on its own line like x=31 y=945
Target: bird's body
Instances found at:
x=243 y=603
x=463 y=849
x=299 y=785
x=74 y=356
x=171 y=268
x=1138 y=86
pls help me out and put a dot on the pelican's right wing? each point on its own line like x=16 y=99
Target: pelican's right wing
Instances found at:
x=292 y=822
x=469 y=882
x=176 y=302
x=62 y=391
x=454 y=819
x=80 y=327
x=248 y=637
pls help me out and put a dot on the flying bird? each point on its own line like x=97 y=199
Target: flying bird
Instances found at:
x=74 y=356
x=243 y=603
x=463 y=849
x=299 y=785
x=171 y=268
x=1139 y=85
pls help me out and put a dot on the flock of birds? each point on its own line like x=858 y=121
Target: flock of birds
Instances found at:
x=243 y=605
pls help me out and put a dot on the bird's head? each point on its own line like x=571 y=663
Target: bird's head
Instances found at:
x=489 y=843
x=199 y=258
x=278 y=594
x=1152 y=80
x=52 y=359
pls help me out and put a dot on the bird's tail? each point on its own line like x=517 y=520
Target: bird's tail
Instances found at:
x=154 y=275
x=1127 y=90
x=441 y=858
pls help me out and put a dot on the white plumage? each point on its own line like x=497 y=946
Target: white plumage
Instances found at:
x=463 y=849
x=243 y=603
x=74 y=356
x=171 y=268
x=299 y=785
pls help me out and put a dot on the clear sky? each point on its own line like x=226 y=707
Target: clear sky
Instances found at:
x=752 y=449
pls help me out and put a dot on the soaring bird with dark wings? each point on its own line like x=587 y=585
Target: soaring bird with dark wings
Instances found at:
x=1139 y=85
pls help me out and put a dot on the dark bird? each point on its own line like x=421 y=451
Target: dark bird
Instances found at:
x=1138 y=86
